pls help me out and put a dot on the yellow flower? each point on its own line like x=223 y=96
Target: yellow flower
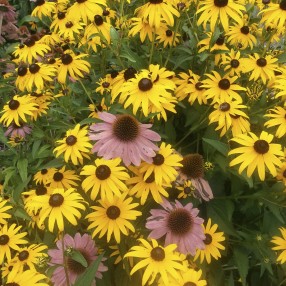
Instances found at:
x=43 y=8
x=75 y=145
x=28 y=277
x=167 y=36
x=257 y=153
x=280 y=245
x=142 y=27
x=277 y=118
x=113 y=217
x=4 y=207
x=64 y=179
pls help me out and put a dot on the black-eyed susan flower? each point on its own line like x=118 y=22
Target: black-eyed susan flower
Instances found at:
x=84 y=246
x=43 y=8
x=223 y=113
x=220 y=11
x=28 y=277
x=182 y=80
x=106 y=177
x=22 y=77
x=63 y=178
x=75 y=145
x=212 y=243
x=232 y=64
x=29 y=257
x=239 y=125
x=73 y=66
x=193 y=169
x=59 y=206
x=221 y=88
x=280 y=243
x=4 y=207
x=187 y=190
x=44 y=176
x=188 y=277
x=274 y=13
x=104 y=85
x=257 y=153
x=95 y=108
x=143 y=188
x=39 y=75
x=277 y=118
x=167 y=36
x=71 y=30
x=98 y=26
x=158 y=261
x=281 y=173
x=124 y=137
x=142 y=27
x=113 y=217
x=31 y=51
x=59 y=21
x=260 y=67
x=164 y=165
x=86 y=9
x=241 y=36
x=10 y=238
x=180 y=224
x=157 y=12
x=18 y=108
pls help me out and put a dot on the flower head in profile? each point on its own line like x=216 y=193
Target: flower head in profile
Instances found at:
x=43 y=8
x=68 y=248
x=4 y=207
x=113 y=217
x=158 y=261
x=212 y=243
x=75 y=145
x=257 y=153
x=280 y=244
x=15 y=130
x=180 y=224
x=124 y=137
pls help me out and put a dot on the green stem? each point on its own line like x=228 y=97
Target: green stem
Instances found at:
x=86 y=92
x=65 y=261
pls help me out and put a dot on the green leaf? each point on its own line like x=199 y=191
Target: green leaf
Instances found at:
x=28 y=18
x=22 y=166
x=77 y=256
x=241 y=261
x=21 y=213
x=35 y=147
x=282 y=58
x=88 y=276
x=219 y=146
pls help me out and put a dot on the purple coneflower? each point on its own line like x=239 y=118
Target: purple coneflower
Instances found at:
x=18 y=131
x=193 y=169
x=86 y=246
x=180 y=224
x=124 y=137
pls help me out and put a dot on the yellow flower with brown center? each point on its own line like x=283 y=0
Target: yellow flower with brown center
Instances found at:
x=280 y=245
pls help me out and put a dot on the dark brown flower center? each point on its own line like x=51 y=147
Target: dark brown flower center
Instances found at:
x=22 y=70
x=56 y=200
x=98 y=108
x=224 y=107
x=145 y=84
x=181 y=5
x=98 y=20
x=198 y=86
x=282 y=5
x=105 y=13
x=220 y=3
x=155 y=1
x=126 y=128
x=169 y=33
x=261 y=62
x=41 y=190
x=76 y=267
x=58 y=176
x=193 y=166
x=261 y=146
x=265 y=2
x=66 y=59
x=190 y=284
x=220 y=40
x=105 y=84
x=180 y=221
x=113 y=212
x=71 y=140
x=61 y=15
x=284 y=174
x=244 y=30
x=234 y=63
x=69 y=24
x=80 y=1
x=129 y=73
x=102 y=172
x=23 y=255
x=114 y=74
x=158 y=159
x=208 y=240
x=4 y=239
x=40 y=2
x=224 y=84
x=34 y=68
x=12 y=284
x=150 y=179
x=158 y=253
x=44 y=171
x=187 y=190
x=13 y=104
x=30 y=42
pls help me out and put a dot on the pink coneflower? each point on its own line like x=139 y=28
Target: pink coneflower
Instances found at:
x=86 y=246
x=193 y=170
x=124 y=137
x=180 y=224
x=18 y=131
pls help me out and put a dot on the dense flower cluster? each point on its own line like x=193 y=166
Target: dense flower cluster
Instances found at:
x=142 y=142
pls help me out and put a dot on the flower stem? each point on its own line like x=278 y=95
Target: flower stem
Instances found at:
x=65 y=262
x=85 y=90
